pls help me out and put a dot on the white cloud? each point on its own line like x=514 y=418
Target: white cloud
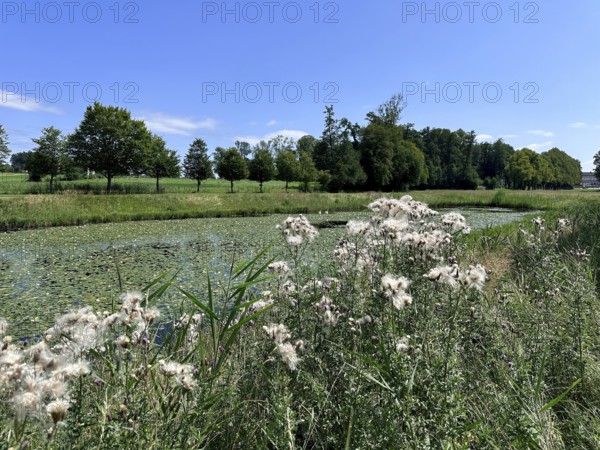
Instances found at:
x=484 y=137
x=272 y=123
x=253 y=140
x=583 y=125
x=509 y=136
x=541 y=133
x=540 y=147
x=24 y=103
x=183 y=126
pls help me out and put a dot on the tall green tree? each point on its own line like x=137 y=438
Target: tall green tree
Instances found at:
x=287 y=166
x=230 y=165
x=261 y=167
x=338 y=153
x=244 y=148
x=49 y=157
x=566 y=170
x=4 y=150
x=408 y=166
x=17 y=161
x=597 y=165
x=160 y=162
x=520 y=170
x=307 y=171
x=110 y=142
x=196 y=163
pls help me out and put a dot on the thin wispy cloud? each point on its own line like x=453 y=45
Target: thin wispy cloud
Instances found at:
x=272 y=123
x=182 y=126
x=484 y=138
x=509 y=136
x=253 y=140
x=24 y=103
x=583 y=125
x=541 y=133
x=540 y=147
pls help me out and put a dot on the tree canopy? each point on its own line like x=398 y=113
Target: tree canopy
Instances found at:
x=230 y=165
x=197 y=164
x=109 y=141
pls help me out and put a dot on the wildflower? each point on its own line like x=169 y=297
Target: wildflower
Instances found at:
x=57 y=410
x=76 y=369
x=444 y=275
x=151 y=314
x=288 y=354
x=123 y=341
x=358 y=228
x=26 y=404
x=402 y=344
x=183 y=373
x=394 y=289
x=563 y=226
x=277 y=333
x=279 y=267
x=455 y=222
x=294 y=240
x=538 y=222
x=474 y=278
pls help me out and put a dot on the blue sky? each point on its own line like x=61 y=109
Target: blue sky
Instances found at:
x=528 y=72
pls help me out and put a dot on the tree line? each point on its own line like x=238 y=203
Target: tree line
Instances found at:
x=379 y=155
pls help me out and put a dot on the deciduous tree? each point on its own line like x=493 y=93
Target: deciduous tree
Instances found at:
x=109 y=141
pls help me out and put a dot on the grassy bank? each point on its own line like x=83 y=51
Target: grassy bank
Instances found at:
x=38 y=211
x=398 y=350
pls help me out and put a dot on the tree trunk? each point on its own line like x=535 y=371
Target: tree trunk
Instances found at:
x=51 y=182
x=286 y=185
x=108 y=183
x=198 y=189
x=260 y=183
x=231 y=181
x=157 y=185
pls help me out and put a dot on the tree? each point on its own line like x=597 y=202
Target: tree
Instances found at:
x=520 y=170
x=597 y=165
x=307 y=172
x=388 y=112
x=109 y=141
x=287 y=166
x=230 y=165
x=243 y=148
x=377 y=151
x=261 y=167
x=339 y=155
x=408 y=166
x=196 y=164
x=4 y=150
x=49 y=157
x=160 y=162
x=281 y=144
x=17 y=161
x=566 y=170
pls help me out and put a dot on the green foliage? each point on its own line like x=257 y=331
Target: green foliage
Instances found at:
x=159 y=162
x=49 y=157
x=4 y=150
x=197 y=164
x=261 y=167
x=597 y=165
x=109 y=142
x=286 y=163
x=307 y=172
x=230 y=165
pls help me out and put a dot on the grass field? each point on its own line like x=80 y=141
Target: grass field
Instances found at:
x=18 y=211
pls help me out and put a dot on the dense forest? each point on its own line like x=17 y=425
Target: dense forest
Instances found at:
x=381 y=154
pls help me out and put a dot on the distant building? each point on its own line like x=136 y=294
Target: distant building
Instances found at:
x=588 y=180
